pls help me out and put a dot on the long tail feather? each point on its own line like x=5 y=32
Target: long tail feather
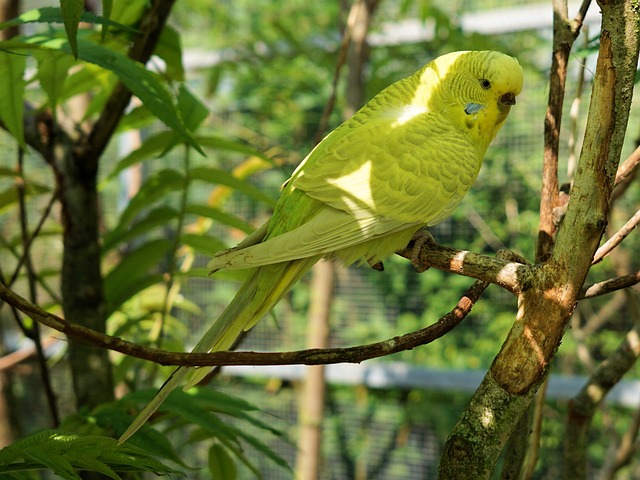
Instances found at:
x=264 y=287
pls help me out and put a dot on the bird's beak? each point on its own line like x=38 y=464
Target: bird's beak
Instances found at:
x=507 y=99
x=473 y=108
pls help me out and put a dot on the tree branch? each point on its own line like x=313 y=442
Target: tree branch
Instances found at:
x=584 y=405
x=611 y=285
x=615 y=240
x=507 y=270
x=306 y=357
x=474 y=446
x=564 y=34
x=626 y=172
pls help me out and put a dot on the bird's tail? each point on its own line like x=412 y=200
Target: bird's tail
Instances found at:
x=264 y=287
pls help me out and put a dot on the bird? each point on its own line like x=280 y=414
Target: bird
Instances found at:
x=401 y=163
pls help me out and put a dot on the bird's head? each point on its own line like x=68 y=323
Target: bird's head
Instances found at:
x=475 y=89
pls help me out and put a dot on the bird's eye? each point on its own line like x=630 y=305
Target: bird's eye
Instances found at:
x=485 y=84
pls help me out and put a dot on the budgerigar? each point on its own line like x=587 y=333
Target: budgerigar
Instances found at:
x=404 y=161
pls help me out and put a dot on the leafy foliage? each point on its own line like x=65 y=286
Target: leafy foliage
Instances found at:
x=66 y=454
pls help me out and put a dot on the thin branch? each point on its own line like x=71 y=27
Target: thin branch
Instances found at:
x=623 y=452
x=611 y=285
x=305 y=357
x=625 y=174
x=615 y=240
x=584 y=405
x=507 y=270
x=340 y=62
x=34 y=330
x=27 y=246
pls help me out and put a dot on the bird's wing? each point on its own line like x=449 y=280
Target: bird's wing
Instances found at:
x=328 y=231
x=412 y=169
x=362 y=184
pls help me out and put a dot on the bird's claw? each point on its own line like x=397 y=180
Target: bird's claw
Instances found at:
x=378 y=266
x=419 y=239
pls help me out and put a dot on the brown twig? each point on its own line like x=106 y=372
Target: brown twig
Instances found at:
x=615 y=240
x=305 y=357
x=606 y=375
x=626 y=172
x=611 y=285
x=507 y=270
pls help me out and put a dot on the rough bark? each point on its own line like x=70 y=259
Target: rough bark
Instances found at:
x=521 y=451
x=544 y=309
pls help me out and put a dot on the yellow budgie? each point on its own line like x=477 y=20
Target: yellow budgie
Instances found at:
x=402 y=162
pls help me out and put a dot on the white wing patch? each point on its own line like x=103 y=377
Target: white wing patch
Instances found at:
x=356 y=188
x=409 y=112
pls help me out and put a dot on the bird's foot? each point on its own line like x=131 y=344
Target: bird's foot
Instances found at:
x=378 y=266
x=419 y=239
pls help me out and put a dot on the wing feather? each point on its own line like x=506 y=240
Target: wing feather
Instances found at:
x=329 y=231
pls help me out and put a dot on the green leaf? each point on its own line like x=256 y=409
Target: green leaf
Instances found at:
x=137 y=263
x=52 y=73
x=71 y=13
x=157 y=186
x=131 y=275
x=66 y=454
x=136 y=119
x=54 y=15
x=128 y=11
x=191 y=108
x=219 y=143
x=85 y=80
x=152 y=147
x=222 y=177
x=219 y=216
x=123 y=233
x=107 y=7
x=206 y=245
x=12 y=86
x=169 y=49
x=221 y=465
x=148 y=86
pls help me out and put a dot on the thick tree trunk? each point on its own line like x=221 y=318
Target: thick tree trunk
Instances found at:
x=472 y=450
x=82 y=286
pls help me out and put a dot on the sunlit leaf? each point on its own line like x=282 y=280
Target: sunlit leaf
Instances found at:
x=220 y=143
x=169 y=49
x=67 y=454
x=52 y=72
x=54 y=15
